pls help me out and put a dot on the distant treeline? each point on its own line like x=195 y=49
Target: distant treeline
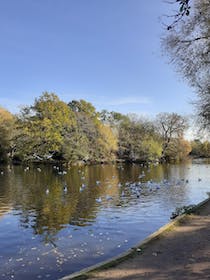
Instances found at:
x=52 y=130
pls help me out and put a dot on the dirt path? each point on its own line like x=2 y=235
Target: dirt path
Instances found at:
x=181 y=253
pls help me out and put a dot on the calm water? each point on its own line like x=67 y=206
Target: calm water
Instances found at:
x=53 y=223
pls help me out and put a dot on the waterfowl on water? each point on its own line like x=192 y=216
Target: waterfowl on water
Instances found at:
x=99 y=200
x=26 y=169
x=123 y=193
x=138 y=194
x=65 y=189
x=108 y=197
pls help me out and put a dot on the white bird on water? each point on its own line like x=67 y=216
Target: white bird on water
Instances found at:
x=99 y=200
x=26 y=169
x=65 y=189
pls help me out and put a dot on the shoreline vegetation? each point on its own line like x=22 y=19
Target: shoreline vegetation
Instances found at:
x=52 y=131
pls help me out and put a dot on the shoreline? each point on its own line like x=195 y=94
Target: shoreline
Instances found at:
x=89 y=163
x=137 y=250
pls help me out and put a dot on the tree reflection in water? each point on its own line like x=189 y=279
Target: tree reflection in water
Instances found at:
x=49 y=212
x=99 y=214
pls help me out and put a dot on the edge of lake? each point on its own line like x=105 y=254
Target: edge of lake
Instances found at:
x=132 y=252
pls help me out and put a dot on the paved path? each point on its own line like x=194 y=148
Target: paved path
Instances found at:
x=181 y=253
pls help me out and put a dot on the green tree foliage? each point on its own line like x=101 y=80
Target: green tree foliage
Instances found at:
x=107 y=142
x=99 y=142
x=75 y=146
x=41 y=127
x=113 y=119
x=200 y=149
x=50 y=129
x=138 y=140
x=6 y=132
x=188 y=45
x=177 y=150
x=85 y=107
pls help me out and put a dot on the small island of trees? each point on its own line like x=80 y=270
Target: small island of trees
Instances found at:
x=52 y=130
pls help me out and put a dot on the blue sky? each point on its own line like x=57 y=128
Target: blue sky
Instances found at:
x=104 y=51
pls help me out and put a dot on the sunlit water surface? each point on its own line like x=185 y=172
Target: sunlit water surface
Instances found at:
x=53 y=223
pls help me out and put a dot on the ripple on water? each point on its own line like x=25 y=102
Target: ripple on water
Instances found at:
x=45 y=236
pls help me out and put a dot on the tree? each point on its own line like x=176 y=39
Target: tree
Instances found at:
x=138 y=141
x=75 y=146
x=177 y=150
x=200 y=149
x=85 y=107
x=184 y=10
x=99 y=141
x=6 y=132
x=107 y=141
x=187 y=43
x=170 y=126
x=112 y=118
x=42 y=126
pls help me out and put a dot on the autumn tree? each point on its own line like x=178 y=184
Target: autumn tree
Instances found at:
x=170 y=126
x=177 y=150
x=113 y=119
x=50 y=129
x=206 y=149
x=6 y=133
x=187 y=42
x=200 y=149
x=138 y=140
x=99 y=141
x=42 y=127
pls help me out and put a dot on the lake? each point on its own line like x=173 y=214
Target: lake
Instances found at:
x=55 y=221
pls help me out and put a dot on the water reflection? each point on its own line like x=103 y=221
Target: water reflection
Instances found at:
x=43 y=204
x=48 y=212
x=85 y=214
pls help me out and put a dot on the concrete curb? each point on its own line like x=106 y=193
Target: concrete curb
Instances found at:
x=83 y=274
